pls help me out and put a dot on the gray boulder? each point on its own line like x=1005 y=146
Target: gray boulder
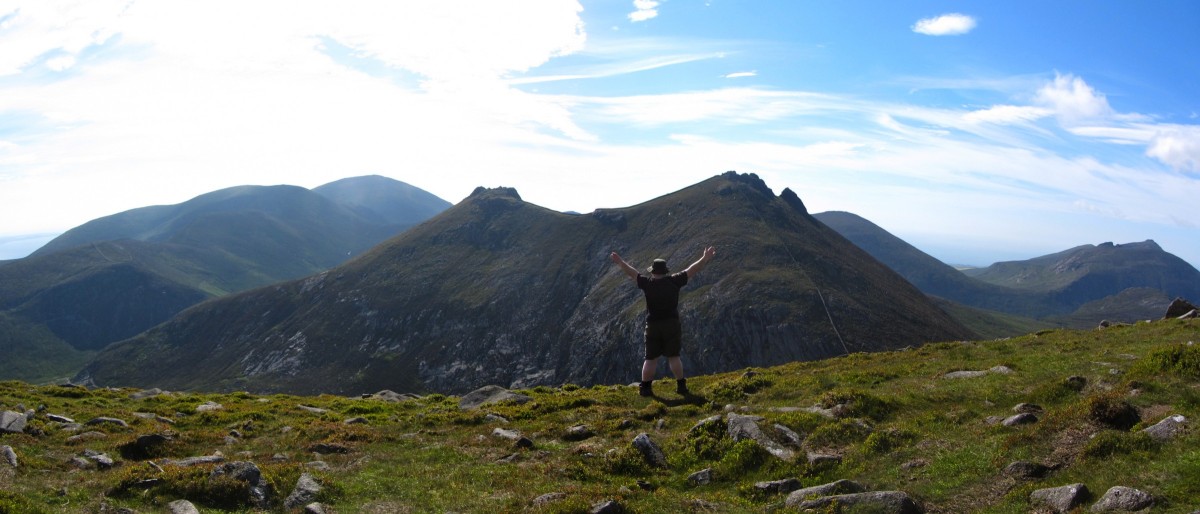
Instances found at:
x=304 y=493
x=746 y=427
x=1123 y=499
x=258 y=490
x=1025 y=469
x=9 y=455
x=514 y=436
x=549 y=498
x=106 y=420
x=490 y=394
x=1179 y=307
x=182 y=507
x=786 y=485
x=1060 y=499
x=650 y=451
x=1023 y=418
x=702 y=477
x=12 y=422
x=882 y=502
x=1167 y=429
x=833 y=488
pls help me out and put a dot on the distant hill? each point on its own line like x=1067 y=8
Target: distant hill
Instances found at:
x=116 y=276
x=499 y=291
x=1076 y=288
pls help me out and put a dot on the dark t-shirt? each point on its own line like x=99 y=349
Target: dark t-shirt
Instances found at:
x=662 y=295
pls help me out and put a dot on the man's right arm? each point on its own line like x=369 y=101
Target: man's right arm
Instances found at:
x=629 y=270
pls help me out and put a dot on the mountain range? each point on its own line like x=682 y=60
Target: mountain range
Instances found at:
x=113 y=277
x=495 y=290
x=1077 y=288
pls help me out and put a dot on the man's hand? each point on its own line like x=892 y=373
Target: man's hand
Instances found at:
x=624 y=265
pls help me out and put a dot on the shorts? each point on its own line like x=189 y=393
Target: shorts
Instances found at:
x=664 y=338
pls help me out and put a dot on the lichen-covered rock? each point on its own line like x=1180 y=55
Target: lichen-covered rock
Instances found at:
x=833 y=488
x=1060 y=499
x=1167 y=429
x=1123 y=499
x=12 y=422
x=882 y=502
x=649 y=450
x=306 y=491
x=490 y=394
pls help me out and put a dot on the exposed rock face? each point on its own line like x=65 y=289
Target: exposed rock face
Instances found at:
x=1179 y=307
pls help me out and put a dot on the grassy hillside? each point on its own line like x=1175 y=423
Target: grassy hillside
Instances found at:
x=895 y=419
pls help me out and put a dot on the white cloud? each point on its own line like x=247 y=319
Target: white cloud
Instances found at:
x=1008 y=114
x=945 y=25
x=1178 y=146
x=741 y=74
x=644 y=10
x=1073 y=100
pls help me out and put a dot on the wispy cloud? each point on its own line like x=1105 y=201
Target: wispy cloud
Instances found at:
x=644 y=10
x=741 y=74
x=945 y=25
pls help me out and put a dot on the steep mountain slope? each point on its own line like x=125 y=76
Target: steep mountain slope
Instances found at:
x=114 y=277
x=1077 y=287
x=496 y=290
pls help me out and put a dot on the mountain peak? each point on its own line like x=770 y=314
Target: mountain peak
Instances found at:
x=495 y=192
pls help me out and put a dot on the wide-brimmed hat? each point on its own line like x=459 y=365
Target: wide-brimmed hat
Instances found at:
x=659 y=267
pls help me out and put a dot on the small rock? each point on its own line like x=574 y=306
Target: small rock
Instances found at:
x=392 y=396
x=195 y=461
x=578 y=433
x=357 y=421
x=9 y=455
x=490 y=394
x=12 y=422
x=105 y=420
x=318 y=465
x=328 y=448
x=102 y=460
x=182 y=507
x=1123 y=499
x=258 y=489
x=549 y=498
x=513 y=435
x=890 y=502
x=86 y=436
x=913 y=464
x=314 y=410
x=59 y=419
x=305 y=492
x=1023 y=418
x=746 y=427
x=823 y=459
x=1060 y=499
x=649 y=450
x=788 y=436
x=1167 y=429
x=833 y=488
x=786 y=485
x=209 y=406
x=315 y=508
x=607 y=507
x=702 y=477
x=1030 y=408
x=148 y=393
x=1024 y=469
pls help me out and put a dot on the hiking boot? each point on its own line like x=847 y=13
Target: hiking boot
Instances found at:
x=681 y=387
x=645 y=390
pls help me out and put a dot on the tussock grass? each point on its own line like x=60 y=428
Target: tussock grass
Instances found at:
x=893 y=418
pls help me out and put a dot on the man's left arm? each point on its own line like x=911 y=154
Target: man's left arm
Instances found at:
x=695 y=268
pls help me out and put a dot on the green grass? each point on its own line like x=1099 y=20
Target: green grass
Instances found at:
x=897 y=424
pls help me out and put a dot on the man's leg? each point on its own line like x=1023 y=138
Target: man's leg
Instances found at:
x=649 y=368
x=676 y=367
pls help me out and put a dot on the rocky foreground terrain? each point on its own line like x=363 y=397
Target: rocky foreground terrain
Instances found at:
x=1059 y=421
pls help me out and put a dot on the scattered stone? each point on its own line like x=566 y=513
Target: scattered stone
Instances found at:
x=1002 y=370
x=1167 y=429
x=148 y=393
x=549 y=498
x=702 y=477
x=10 y=456
x=305 y=492
x=1025 y=469
x=314 y=410
x=143 y=447
x=1179 y=307
x=495 y=418
x=315 y=508
x=318 y=465
x=513 y=435
x=1123 y=499
x=357 y=421
x=578 y=433
x=823 y=459
x=105 y=420
x=328 y=448
x=839 y=487
x=182 y=507
x=1060 y=499
x=746 y=427
x=788 y=436
x=650 y=451
x=59 y=419
x=102 y=460
x=195 y=461
x=258 y=490
x=1027 y=408
x=81 y=463
x=706 y=423
x=889 y=502
x=209 y=406
x=86 y=436
x=1023 y=418
x=12 y=422
x=392 y=396
x=607 y=507
x=786 y=485
x=488 y=395
x=914 y=464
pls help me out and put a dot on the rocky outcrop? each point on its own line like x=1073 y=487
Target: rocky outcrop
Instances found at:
x=490 y=394
x=1062 y=498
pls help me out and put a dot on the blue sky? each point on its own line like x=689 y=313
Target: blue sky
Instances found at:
x=977 y=131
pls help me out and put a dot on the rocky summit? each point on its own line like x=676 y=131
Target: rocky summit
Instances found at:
x=499 y=291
